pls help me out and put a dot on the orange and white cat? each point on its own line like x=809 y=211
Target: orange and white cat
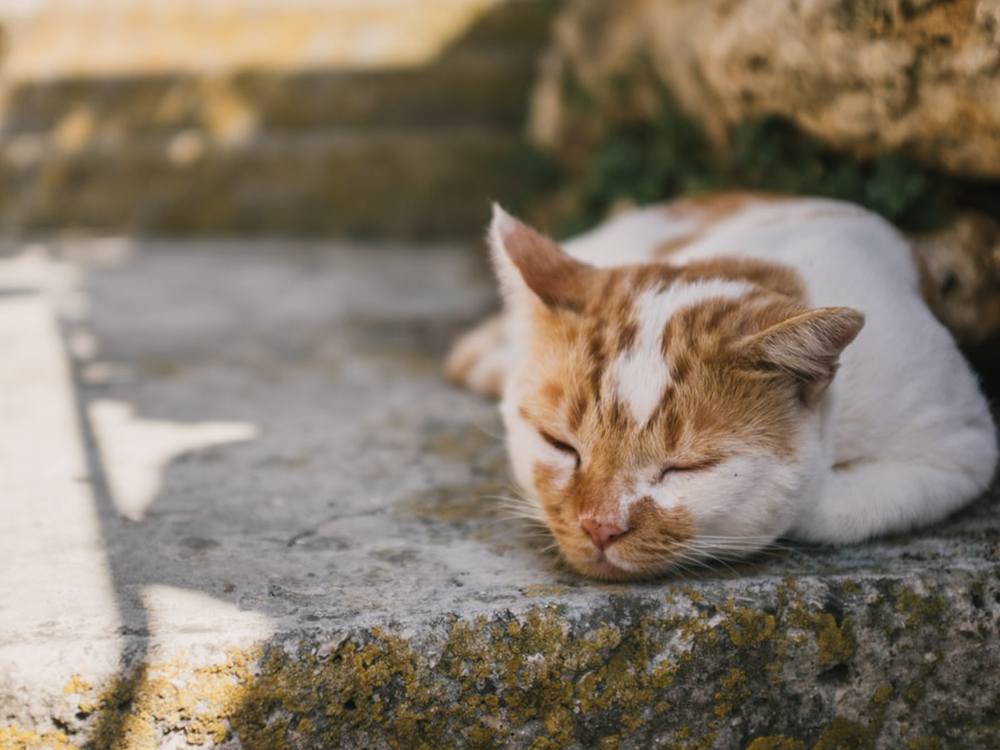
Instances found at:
x=694 y=381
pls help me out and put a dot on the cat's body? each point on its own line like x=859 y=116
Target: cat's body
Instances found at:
x=669 y=392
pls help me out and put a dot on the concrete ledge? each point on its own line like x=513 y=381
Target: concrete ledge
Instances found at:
x=241 y=509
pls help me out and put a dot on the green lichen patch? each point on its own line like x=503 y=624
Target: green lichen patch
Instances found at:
x=920 y=609
x=733 y=691
x=835 y=643
x=775 y=743
x=843 y=734
x=925 y=743
x=643 y=148
x=746 y=626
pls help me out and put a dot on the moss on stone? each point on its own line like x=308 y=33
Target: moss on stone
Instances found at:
x=920 y=609
x=747 y=626
x=775 y=743
x=924 y=743
x=835 y=642
x=631 y=673
x=844 y=734
x=659 y=153
x=733 y=690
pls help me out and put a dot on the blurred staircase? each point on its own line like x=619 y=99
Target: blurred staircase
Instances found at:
x=339 y=119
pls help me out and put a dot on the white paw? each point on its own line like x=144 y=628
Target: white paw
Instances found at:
x=479 y=359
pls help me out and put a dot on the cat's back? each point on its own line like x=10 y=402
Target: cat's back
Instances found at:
x=830 y=243
x=844 y=255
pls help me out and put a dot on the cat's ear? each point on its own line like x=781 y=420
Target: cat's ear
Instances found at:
x=807 y=346
x=529 y=262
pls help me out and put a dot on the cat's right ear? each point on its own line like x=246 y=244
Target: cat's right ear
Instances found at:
x=807 y=346
x=529 y=264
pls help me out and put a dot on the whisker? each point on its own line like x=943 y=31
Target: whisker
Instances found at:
x=513 y=510
x=469 y=409
x=707 y=537
x=508 y=516
x=486 y=431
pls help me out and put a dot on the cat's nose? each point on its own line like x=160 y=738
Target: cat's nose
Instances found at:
x=603 y=533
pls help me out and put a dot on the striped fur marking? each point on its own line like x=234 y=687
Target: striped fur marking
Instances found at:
x=641 y=373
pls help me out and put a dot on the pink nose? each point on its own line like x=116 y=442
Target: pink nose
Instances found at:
x=602 y=533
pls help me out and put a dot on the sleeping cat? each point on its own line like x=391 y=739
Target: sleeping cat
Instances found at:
x=694 y=381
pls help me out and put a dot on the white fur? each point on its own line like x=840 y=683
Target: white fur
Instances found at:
x=631 y=235
x=741 y=500
x=904 y=436
x=524 y=445
x=639 y=376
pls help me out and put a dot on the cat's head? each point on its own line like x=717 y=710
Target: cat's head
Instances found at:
x=661 y=415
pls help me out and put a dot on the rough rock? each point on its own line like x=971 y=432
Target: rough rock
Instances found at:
x=921 y=77
x=960 y=270
x=241 y=508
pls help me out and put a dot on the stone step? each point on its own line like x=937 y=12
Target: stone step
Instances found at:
x=415 y=183
x=112 y=38
x=470 y=87
x=241 y=508
x=364 y=119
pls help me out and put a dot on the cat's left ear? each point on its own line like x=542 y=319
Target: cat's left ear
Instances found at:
x=527 y=261
x=807 y=346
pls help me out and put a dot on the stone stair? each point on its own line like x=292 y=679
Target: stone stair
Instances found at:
x=241 y=509
x=373 y=143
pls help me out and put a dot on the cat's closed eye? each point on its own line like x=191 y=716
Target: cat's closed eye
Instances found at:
x=675 y=469
x=561 y=446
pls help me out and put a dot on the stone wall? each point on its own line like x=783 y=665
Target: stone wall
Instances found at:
x=866 y=77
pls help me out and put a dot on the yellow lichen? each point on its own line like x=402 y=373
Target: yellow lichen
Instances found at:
x=920 y=609
x=14 y=738
x=733 y=690
x=746 y=626
x=842 y=734
x=836 y=643
x=537 y=589
x=538 y=677
x=76 y=684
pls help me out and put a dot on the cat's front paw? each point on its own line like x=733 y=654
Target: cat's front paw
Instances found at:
x=478 y=360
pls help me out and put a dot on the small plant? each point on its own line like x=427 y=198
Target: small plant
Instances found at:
x=771 y=154
x=643 y=162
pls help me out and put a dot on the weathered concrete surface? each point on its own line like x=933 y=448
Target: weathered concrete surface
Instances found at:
x=240 y=508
